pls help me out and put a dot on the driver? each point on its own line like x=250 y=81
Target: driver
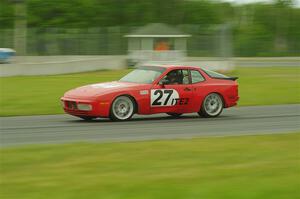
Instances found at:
x=173 y=77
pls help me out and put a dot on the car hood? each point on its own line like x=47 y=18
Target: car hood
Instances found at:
x=98 y=89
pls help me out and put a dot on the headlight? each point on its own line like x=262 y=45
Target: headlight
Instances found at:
x=84 y=107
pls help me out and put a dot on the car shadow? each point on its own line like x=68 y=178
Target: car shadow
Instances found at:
x=151 y=118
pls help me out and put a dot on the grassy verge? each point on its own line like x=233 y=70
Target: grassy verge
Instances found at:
x=245 y=167
x=268 y=86
x=40 y=94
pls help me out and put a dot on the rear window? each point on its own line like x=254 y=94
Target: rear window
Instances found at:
x=214 y=74
x=196 y=76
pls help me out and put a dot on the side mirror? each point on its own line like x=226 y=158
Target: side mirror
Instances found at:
x=163 y=82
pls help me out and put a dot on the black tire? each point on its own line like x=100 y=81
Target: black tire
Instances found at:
x=87 y=118
x=212 y=105
x=122 y=104
x=175 y=115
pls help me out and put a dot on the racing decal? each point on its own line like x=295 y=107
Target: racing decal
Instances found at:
x=166 y=97
x=144 y=92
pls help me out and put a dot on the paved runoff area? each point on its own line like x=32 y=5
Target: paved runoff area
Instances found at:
x=236 y=121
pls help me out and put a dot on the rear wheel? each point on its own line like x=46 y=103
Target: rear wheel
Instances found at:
x=176 y=115
x=122 y=108
x=212 y=106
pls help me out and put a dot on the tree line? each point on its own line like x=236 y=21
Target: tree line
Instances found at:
x=259 y=29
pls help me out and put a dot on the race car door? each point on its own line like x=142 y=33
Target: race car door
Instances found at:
x=174 y=95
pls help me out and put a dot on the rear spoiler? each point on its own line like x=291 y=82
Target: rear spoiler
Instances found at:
x=227 y=78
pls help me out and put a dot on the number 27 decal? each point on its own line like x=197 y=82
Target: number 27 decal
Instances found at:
x=160 y=94
x=166 y=97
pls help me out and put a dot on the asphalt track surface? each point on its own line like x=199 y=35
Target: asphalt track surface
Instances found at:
x=64 y=128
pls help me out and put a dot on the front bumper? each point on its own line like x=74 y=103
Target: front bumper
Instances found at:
x=72 y=107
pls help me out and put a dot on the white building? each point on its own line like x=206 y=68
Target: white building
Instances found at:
x=156 y=42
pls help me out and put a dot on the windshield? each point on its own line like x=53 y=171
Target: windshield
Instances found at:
x=143 y=75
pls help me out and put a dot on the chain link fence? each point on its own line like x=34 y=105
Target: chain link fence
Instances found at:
x=107 y=41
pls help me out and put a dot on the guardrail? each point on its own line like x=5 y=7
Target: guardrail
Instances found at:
x=48 y=65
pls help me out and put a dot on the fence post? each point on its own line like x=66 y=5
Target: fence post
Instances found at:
x=20 y=27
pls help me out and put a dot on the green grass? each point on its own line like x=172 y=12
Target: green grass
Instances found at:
x=33 y=95
x=245 y=167
x=268 y=86
x=40 y=94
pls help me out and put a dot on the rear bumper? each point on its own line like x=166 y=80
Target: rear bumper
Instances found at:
x=232 y=101
x=70 y=106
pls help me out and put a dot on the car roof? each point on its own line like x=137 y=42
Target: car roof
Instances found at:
x=171 y=66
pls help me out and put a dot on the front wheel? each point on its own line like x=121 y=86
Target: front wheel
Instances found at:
x=122 y=108
x=212 y=106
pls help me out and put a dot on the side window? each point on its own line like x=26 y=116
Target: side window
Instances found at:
x=196 y=76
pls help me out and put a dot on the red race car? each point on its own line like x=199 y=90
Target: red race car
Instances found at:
x=154 y=89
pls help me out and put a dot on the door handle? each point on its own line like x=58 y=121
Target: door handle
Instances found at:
x=187 y=89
